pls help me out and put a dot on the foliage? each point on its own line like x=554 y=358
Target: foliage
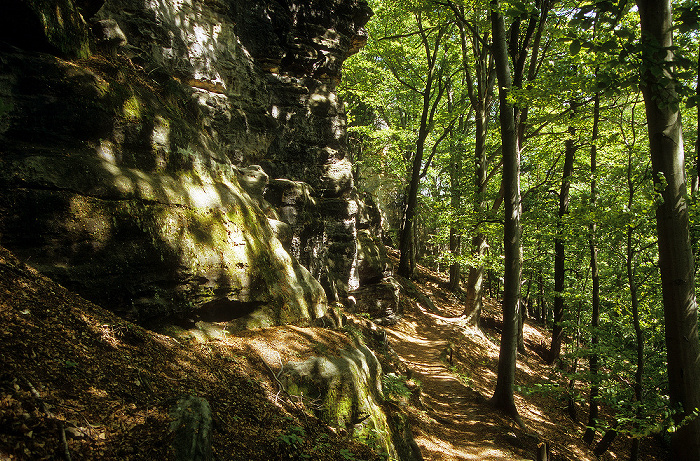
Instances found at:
x=588 y=48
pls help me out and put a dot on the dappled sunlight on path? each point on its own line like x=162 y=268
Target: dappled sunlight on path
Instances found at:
x=454 y=421
x=456 y=365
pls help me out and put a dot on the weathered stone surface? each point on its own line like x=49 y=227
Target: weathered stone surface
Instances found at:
x=345 y=392
x=254 y=181
x=119 y=177
x=372 y=261
x=379 y=300
x=323 y=231
x=192 y=429
x=54 y=26
x=108 y=34
x=368 y=215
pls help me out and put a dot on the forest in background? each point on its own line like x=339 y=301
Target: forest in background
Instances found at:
x=514 y=138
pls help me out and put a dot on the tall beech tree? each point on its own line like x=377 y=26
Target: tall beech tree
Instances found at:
x=480 y=78
x=505 y=382
x=595 y=278
x=559 y=257
x=432 y=93
x=672 y=224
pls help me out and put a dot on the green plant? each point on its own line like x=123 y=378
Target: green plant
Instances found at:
x=395 y=385
x=463 y=375
x=293 y=438
x=347 y=454
x=354 y=333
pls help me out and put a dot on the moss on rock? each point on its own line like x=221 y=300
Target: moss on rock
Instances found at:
x=345 y=392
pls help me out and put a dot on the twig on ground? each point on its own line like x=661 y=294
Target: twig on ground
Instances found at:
x=50 y=415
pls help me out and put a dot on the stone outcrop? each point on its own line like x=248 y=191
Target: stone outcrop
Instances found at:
x=346 y=392
x=376 y=292
x=136 y=137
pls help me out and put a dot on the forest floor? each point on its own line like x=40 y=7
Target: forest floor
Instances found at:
x=77 y=381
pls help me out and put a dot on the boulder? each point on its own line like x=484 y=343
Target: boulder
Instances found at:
x=345 y=392
x=138 y=180
x=253 y=180
x=372 y=261
x=380 y=300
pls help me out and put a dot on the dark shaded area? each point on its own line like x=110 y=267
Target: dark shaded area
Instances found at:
x=226 y=310
x=21 y=27
x=111 y=386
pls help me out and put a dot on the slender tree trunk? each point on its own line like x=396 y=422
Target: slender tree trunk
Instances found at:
x=607 y=440
x=639 y=373
x=634 y=301
x=455 y=250
x=595 y=301
x=505 y=382
x=672 y=224
x=455 y=202
x=406 y=241
x=480 y=92
x=407 y=260
x=695 y=185
x=697 y=125
x=473 y=305
x=571 y=402
x=540 y=299
x=523 y=316
x=559 y=269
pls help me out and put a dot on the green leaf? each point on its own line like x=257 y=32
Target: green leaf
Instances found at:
x=575 y=47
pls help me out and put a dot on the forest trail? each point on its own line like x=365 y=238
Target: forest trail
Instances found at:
x=460 y=430
x=453 y=419
x=457 y=423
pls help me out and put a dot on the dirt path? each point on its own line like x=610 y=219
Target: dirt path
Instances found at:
x=456 y=422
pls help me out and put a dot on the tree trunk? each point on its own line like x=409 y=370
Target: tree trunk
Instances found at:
x=480 y=96
x=559 y=269
x=695 y=185
x=540 y=300
x=634 y=301
x=473 y=305
x=505 y=383
x=406 y=242
x=607 y=440
x=595 y=301
x=455 y=250
x=407 y=260
x=639 y=373
x=571 y=402
x=523 y=316
x=455 y=199
x=675 y=252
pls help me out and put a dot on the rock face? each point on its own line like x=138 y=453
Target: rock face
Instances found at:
x=137 y=143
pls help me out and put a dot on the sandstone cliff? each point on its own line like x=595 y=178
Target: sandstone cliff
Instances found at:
x=137 y=143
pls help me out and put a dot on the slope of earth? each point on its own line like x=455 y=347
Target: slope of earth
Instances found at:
x=77 y=382
x=456 y=366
